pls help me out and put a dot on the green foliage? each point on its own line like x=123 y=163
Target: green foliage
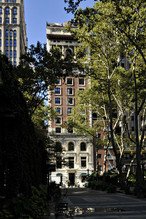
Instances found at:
x=97 y=185
x=38 y=70
x=110 y=32
x=24 y=207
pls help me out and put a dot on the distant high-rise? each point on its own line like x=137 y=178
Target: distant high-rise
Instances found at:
x=77 y=148
x=12 y=29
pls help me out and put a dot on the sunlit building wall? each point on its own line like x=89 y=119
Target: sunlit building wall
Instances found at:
x=13 y=40
x=77 y=149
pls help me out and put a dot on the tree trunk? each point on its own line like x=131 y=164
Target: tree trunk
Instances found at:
x=139 y=177
x=118 y=161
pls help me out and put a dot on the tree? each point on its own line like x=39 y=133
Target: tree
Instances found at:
x=73 y=5
x=39 y=70
x=21 y=153
x=101 y=50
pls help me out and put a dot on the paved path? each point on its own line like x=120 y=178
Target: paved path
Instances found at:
x=93 y=204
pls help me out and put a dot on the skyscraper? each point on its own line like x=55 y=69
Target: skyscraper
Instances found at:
x=12 y=29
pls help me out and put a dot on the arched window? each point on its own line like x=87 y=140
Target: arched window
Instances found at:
x=14 y=20
x=83 y=146
x=68 y=53
x=14 y=11
x=7 y=10
x=71 y=146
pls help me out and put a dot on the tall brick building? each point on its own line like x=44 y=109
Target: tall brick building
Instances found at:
x=78 y=149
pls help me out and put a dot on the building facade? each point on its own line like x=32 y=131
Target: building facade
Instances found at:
x=13 y=40
x=77 y=149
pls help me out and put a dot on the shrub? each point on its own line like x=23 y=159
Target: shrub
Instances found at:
x=140 y=191
x=24 y=207
x=111 y=188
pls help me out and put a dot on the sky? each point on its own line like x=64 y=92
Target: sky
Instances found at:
x=38 y=12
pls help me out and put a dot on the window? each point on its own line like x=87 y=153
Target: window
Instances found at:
x=0 y=33
x=14 y=20
x=99 y=135
x=0 y=20
x=7 y=33
x=83 y=112
x=58 y=162
x=0 y=10
x=15 y=43
x=99 y=156
x=58 y=129
x=57 y=90
x=70 y=130
x=15 y=54
x=83 y=162
x=7 y=53
x=132 y=129
x=81 y=89
x=11 y=43
x=58 y=147
x=15 y=63
x=126 y=156
x=15 y=33
x=58 y=120
x=83 y=146
x=0 y=42
x=7 y=43
x=70 y=146
x=14 y=1
x=68 y=52
x=69 y=91
x=69 y=111
x=99 y=167
x=11 y=33
x=58 y=110
x=7 y=20
x=14 y=11
x=59 y=81
x=57 y=100
x=7 y=10
x=10 y=53
x=70 y=81
x=132 y=118
x=94 y=116
x=70 y=101
x=71 y=162
x=81 y=81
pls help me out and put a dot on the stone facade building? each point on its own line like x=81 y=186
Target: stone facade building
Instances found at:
x=13 y=40
x=77 y=149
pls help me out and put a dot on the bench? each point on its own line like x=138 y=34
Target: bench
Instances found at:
x=61 y=208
